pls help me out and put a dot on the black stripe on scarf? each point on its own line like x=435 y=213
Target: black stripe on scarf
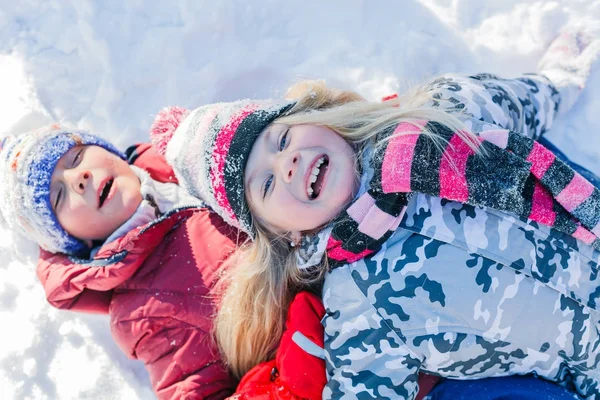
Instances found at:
x=518 y=145
x=528 y=191
x=564 y=221
x=557 y=177
x=425 y=168
x=391 y=203
x=589 y=210
x=497 y=180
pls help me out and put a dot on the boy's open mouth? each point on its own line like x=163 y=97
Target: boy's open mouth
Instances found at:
x=315 y=180
x=105 y=191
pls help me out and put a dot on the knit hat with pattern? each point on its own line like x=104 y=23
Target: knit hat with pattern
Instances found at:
x=27 y=162
x=208 y=148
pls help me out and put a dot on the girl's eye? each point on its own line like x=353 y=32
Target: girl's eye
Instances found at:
x=267 y=185
x=77 y=158
x=283 y=140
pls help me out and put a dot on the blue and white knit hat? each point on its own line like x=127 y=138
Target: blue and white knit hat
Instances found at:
x=27 y=162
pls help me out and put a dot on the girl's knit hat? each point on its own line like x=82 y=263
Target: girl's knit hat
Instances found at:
x=27 y=162
x=208 y=148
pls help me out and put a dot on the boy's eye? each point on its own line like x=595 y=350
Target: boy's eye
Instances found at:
x=57 y=198
x=283 y=140
x=267 y=185
x=77 y=158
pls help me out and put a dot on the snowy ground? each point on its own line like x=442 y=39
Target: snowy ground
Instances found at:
x=110 y=65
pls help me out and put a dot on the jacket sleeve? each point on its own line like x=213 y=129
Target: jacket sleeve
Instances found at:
x=181 y=359
x=364 y=357
x=528 y=104
x=65 y=285
x=86 y=285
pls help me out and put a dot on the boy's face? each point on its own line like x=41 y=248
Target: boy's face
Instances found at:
x=93 y=192
x=299 y=177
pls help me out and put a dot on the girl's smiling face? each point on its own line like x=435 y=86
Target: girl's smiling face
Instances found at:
x=299 y=177
x=93 y=192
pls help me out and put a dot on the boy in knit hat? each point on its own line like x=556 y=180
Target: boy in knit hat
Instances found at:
x=115 y=232
x=35 y=182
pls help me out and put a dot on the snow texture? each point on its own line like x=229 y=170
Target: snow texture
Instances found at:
x=109 y=66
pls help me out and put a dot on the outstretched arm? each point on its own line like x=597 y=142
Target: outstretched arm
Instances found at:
x=528 y=104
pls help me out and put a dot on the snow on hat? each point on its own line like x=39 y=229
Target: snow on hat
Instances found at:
x=209 y=147
x=27 y=162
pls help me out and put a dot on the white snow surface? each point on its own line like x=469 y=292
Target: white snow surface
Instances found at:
x=109 y=65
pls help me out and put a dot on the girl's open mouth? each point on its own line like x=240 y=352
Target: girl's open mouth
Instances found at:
x=317 y=175
x=105 y=192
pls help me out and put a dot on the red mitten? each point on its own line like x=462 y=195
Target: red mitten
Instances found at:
x=295 y=373
x=300 y=355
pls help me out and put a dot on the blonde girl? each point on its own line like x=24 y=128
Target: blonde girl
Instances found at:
x=447 y=239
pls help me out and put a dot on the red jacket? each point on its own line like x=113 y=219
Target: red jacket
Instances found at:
x=156 y=284
x=298 y=371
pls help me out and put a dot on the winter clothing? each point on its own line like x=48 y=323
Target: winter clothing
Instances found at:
x=27 y=162
x=516 y=175
x=298 y=372
x=156 y=282
x=209 y=150
x=589 y=176
x=507 y=388
x=463 y=291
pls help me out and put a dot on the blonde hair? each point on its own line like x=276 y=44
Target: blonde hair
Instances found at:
x=263 y=278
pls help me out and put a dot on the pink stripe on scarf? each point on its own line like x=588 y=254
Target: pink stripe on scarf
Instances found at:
x=371 y=220
x=336 y=252
x=498 y=137
x=219 y=156
x=398 y=158
x=359 y=209
x=584 y=235
x=541 y=209
x=377 y=223
x=575 y=193
x=453 y=182
x=541 y=159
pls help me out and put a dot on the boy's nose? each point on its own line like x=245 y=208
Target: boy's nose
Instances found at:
x=80 y=180
x=289 y=164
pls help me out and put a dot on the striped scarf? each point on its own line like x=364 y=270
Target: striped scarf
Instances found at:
x=516 y=175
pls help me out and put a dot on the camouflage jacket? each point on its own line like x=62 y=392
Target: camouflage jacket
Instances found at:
x=466 y=292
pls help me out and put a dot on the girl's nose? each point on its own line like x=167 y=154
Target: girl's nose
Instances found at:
x=289 y=165
x=80 y=180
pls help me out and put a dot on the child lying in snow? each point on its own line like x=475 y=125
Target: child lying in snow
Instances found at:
x=435 y=222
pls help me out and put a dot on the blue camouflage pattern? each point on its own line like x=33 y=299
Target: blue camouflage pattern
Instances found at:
x=465 y=292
